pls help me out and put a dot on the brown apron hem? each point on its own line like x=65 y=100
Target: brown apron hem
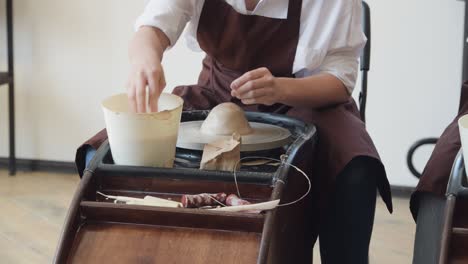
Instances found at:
x=382 y=181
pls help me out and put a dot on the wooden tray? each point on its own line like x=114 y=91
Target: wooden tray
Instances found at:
x=98 y=231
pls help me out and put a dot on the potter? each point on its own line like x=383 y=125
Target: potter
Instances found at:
x=297 y=58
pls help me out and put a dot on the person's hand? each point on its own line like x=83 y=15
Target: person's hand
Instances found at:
x=146 y=52
x=258 y=86
x=145 y=74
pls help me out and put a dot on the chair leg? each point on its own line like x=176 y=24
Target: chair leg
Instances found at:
x=427 y=242
x=447 y=229
x=11 y=87
x=11 y=111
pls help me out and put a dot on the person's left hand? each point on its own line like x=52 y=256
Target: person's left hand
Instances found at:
x=258 y=86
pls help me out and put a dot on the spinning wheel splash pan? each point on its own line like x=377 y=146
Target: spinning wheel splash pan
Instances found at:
x=263 y=137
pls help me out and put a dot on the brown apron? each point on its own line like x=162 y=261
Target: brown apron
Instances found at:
x=236 y=43
x=436 y=174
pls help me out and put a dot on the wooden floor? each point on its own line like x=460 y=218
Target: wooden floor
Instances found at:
x=33 y=207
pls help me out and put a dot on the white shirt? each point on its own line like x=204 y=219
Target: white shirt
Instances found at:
x=330 y=40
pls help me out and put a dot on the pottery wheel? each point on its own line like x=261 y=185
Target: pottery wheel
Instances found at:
x=264 y=137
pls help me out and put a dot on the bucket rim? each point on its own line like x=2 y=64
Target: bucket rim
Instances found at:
x=106 y=107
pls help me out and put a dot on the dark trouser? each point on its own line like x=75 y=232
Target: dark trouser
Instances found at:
x=428 y=229
x=347 y=229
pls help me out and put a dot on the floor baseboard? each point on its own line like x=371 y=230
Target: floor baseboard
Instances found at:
x=40 y=165
x=402 y=191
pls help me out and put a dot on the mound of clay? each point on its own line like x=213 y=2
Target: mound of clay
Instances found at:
x=226 y=119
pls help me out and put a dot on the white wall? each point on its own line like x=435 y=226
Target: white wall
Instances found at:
x=415 y=80
x=72 y=54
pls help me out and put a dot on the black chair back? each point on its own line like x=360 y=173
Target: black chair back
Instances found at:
x=365 y=59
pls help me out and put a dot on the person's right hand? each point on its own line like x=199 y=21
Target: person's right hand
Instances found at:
x=145 y=74
x=146 y=52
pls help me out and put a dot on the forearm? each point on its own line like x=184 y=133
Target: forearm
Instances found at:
x=149 y=40
x=315 y=91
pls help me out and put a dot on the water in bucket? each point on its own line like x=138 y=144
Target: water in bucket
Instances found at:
x=143 y=139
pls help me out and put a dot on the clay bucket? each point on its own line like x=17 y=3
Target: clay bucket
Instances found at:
x=143 y=139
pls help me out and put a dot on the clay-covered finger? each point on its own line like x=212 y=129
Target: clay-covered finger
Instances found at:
x=140 y=93
x=264 y=82
x=249 y=76
x=255 y=93
x=259 y=100
x=131 y=94
x=153 y=92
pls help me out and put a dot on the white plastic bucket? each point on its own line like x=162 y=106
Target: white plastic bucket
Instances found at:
x=463 y=126
x=143 y=139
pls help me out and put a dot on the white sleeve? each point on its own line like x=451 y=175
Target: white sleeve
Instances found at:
x=342 y=57
x=170 y=16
